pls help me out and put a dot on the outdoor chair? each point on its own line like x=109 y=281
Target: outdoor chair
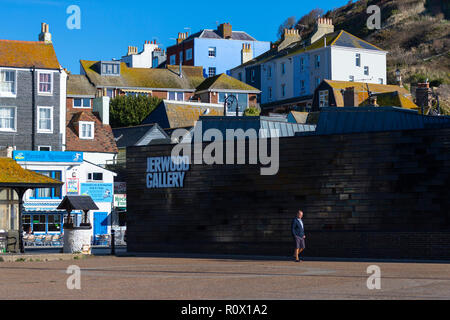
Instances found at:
x=56 y=240
x=47 y=241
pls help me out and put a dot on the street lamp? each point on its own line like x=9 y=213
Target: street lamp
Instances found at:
x=229 y=100
x=398 y=77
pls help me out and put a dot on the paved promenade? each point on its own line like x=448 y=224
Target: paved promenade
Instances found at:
x=105 y=277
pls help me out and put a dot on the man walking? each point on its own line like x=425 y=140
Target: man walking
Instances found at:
x=298 y=232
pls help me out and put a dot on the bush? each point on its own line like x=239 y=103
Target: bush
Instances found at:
x=126 y=111
x=252 y=111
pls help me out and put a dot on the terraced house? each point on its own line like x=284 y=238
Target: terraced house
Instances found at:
x=113 y=78
x=289 y=73
x=32 y=95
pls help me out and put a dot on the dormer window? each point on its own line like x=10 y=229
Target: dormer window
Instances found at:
x=110 y=69
x=86 y=130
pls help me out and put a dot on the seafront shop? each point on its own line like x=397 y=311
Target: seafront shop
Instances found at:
x=80 y=177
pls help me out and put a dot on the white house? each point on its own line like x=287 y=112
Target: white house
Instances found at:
x=80 y=177
x=288 y=74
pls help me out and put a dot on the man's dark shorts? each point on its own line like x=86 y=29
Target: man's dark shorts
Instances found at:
x=299 y=242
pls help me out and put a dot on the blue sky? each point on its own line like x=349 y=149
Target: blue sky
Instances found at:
x=109 y=27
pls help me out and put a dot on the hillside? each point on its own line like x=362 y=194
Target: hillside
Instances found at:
x=416 y=33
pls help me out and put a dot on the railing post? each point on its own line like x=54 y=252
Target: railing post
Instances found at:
x=113 y=242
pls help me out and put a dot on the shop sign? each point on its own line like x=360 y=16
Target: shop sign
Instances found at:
x=48 y=156
x=120 y=200
x=166 y=172
x=99 y=192
x=72 y=185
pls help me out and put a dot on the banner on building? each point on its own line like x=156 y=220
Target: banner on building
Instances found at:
x=73 y=185
x=99 y=192
x=120 y=200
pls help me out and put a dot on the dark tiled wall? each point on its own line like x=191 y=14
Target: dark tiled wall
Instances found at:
x=378 y=195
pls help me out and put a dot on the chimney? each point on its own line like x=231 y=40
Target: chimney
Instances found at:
x=350 y=97
x=289 y=36
x=423 y=93
x=246 y=53
x=181 y=37
x=132 y=50
x=324 y=26
x=101 y=105
x=225 y=30
x=45 y=35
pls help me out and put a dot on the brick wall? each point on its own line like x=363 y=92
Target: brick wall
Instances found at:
x=375 y=195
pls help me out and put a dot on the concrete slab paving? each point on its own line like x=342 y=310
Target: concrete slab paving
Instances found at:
x=179 y=278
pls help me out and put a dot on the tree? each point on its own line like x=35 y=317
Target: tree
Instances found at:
x=252 y=111
x=289 y=23
x=126 y=111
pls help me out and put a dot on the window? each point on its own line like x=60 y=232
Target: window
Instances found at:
x=302 y=86
x=38 y=222
x=86 y=130
x=212 y=52
x=95 y=176
x=358 y=60
x=302 y=64
x=242 y=99
x=317 y=81
x=81 y=103
x=8 y=119
x=48 y=193
x=211 y=72
x=173 y=59
x=188 y=54
x=45 y=119
x=269 y=71
x=252 y=75
x=240 y=76
x=283 y=68
x=54 y=223
x=270 y=92
x=351 y=78
x=110 y=69
x=110 y=93
x=181 y=56
x=317 y=61
x=44 y=148
x=283 y=90
x=366 y=70
x=7 y=82
x=45 y=83
x=176 y=96
x=323 y=98
x=380 y=81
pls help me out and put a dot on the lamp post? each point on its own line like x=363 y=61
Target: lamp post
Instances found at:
x=229 y=100
x=398 y=77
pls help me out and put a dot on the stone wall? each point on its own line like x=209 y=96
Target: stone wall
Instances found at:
x=374 y=195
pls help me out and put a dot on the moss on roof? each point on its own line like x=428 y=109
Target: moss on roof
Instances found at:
x=26 y=54
x=79 y=85
x=12 y=173
x=144 y=77
x=224 y=82
x=185 y=115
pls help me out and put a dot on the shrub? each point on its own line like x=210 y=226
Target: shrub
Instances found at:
x=126 y=111
x=252 y=111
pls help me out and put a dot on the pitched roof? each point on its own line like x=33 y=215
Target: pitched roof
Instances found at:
x=26 y=54
x=362 y=88
x=338 y=38
x=151 y=78
x=77 y=203
x=130 y=136
x=12 y=174
x=103 y=136
x=225 y=82
x=79 y=85
x=213 y=34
